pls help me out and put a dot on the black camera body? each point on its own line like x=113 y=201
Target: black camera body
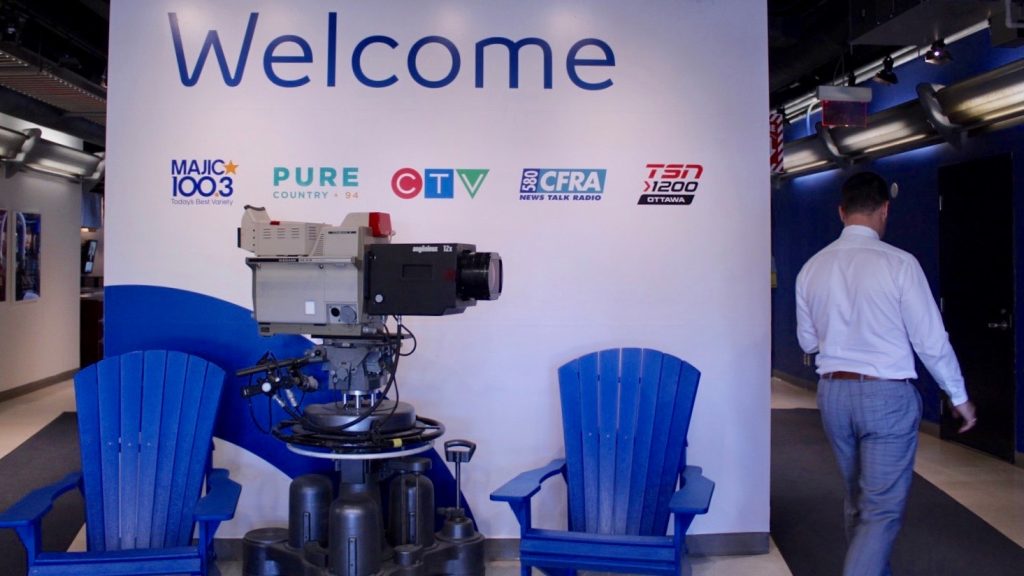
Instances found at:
x=429 y=279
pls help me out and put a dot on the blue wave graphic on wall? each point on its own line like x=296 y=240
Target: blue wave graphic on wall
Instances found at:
x=154 y=317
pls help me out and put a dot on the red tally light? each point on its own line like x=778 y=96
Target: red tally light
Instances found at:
x=380 y=224
x=275 y=222
x=844 y=105
x=838 y=113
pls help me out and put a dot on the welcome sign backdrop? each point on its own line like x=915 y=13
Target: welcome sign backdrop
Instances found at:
x=614 y=154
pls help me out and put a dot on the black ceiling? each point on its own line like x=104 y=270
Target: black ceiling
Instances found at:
x=814 y=42
x=61 y=41
x=810 y=42
x=71 y=34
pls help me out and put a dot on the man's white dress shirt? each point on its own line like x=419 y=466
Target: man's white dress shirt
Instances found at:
x=861 y=304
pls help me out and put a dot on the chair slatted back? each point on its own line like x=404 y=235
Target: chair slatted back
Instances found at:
x=145 y=421
x=625 y=416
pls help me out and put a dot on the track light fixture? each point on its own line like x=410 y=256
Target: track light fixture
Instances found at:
x=938 y=54
x=886 y=75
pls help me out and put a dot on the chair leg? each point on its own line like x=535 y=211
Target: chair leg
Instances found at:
x=525 y=570
x=685 y=566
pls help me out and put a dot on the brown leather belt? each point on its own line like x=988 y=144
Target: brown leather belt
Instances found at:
x=841 y=375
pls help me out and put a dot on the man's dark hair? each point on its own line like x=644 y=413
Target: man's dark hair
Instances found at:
x=864 y=193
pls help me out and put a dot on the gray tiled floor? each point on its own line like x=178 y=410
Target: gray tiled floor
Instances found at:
x=763 y=565
x=992 y=489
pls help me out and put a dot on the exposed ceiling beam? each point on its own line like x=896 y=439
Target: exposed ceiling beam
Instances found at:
x=32 y=110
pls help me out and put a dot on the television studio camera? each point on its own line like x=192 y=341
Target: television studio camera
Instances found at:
x=342 y=284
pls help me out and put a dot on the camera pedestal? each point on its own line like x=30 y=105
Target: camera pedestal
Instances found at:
x=346 y=535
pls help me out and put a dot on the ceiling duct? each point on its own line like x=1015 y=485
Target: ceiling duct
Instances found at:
x=993 y=96
x=806 y=155
x=27 y=150
x=990 y=101
x=887 y=131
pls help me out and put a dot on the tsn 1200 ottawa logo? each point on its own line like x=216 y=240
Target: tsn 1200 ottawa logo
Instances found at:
x=203 y=182
x=671 y=184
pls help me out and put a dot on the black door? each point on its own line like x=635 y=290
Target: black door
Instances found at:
x=976 y=287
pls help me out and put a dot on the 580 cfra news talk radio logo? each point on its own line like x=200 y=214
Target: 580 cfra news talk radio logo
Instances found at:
x=203 y=182
x=671 y=184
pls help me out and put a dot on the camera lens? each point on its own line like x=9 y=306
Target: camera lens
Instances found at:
x=479 y=276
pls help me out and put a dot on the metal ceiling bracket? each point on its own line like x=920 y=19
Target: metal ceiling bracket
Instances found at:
x=936 y=116
x=16 y=163
x=89 y=182
x=825 y=135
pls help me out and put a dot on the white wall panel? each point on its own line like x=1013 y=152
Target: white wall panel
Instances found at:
x=689 y=86
x=40 y=337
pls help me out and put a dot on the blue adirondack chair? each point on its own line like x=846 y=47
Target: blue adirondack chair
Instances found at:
x=625 y=415
x=145 y=422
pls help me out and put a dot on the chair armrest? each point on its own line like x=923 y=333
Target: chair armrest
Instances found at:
x=695 y=495
x=525 y=485
x=221 y=498
x=33 y=506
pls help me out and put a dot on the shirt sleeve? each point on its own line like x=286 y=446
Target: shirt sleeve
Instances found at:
x=805 y=332
x=927 y=334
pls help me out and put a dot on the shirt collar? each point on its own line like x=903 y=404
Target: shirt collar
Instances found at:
x=858 y=230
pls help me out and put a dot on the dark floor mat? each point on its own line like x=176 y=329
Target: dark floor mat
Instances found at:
x=939 y=536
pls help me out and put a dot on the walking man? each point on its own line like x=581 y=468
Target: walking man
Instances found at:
x=865 y=307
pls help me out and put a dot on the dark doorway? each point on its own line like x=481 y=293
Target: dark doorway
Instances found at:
x=976 y=287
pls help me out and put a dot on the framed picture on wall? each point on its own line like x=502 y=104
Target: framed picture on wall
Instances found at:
x=28 y=272
x=3 y=255
x=88 y=256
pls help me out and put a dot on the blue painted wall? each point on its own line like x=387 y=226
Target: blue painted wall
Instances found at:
x=805 y=218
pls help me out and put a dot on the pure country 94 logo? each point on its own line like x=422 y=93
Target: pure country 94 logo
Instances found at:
x=203 y=182
x=671 y=184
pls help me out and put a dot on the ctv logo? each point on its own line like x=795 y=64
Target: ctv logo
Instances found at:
x=202 y=182
x=578 y=184
x=436 y=183
x=315 y=182
x=673 y=184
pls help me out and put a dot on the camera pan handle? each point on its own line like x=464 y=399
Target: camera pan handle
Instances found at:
x=459 y=450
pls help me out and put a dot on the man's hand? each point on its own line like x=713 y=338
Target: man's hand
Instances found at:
x=966 y=411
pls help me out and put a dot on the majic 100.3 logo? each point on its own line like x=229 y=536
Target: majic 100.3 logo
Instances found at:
x=203 y=182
